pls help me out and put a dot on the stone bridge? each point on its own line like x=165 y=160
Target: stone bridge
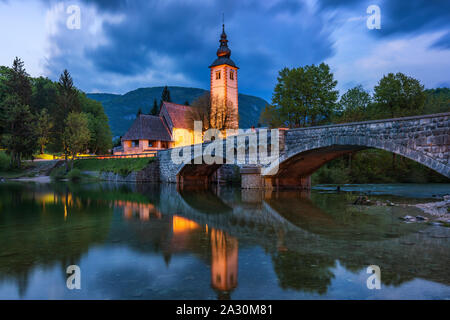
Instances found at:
x=424 y=139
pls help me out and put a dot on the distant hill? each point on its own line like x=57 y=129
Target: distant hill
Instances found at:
x=122 y=109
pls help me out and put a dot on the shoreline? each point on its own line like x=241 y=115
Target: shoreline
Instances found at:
x=39 y=179
x=438 y=209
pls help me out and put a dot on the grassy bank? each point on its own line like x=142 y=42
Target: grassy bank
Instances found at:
x=119 y=166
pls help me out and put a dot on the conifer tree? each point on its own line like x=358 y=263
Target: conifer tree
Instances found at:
x=155 y=109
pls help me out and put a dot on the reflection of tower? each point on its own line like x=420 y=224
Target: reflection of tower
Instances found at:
x=224 y=263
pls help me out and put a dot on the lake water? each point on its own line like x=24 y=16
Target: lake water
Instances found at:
x=154 y=242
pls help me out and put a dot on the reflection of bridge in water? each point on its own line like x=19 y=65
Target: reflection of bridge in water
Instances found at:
x=298 y=244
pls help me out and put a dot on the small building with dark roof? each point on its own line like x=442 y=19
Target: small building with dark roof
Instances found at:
x=150 y=133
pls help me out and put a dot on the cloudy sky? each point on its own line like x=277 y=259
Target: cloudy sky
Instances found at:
x=122 y=45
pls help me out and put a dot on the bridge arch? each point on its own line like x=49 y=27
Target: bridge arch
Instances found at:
x=303 y=159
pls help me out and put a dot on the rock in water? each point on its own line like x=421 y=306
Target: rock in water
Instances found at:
x=408 y=218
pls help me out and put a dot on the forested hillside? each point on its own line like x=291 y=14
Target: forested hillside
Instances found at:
x=122 y=109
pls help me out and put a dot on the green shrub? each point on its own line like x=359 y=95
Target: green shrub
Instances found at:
x=58 y=173
x=4 y=161
x=74 y=175
x=124 y=172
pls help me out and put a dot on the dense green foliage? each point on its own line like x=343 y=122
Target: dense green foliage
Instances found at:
x=354 y=105
x=4 y=161
x=437 y=100
x=33 y=114
x=74 y=175
x=122 y=109
x=76 y=133
x=303 y=96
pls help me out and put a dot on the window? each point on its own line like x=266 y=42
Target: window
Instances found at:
x=232 y=74
x=218 y=75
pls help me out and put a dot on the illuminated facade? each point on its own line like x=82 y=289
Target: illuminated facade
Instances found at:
x=224 y=83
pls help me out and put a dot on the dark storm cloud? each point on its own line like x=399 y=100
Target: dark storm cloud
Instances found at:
x=182 y=37
x=400 y=17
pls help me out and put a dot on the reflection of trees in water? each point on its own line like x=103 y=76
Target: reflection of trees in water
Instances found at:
x=46 y=227
x=303 y=272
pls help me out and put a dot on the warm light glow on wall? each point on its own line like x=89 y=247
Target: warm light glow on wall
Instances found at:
x=144 y=210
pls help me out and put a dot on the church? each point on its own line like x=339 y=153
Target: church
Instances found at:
x=171 y=127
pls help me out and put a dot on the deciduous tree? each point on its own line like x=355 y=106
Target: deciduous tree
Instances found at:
x=354 y=105
x=76 y=135
x=305 y=96
x=44 y=126
x=398 y=95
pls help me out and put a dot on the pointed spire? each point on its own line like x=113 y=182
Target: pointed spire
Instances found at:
x=223 y=50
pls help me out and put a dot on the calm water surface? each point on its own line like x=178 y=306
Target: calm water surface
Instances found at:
x=154 y=242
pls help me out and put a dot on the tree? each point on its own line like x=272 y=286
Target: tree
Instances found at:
x=67 y=101
x=18 y=82
x=186 y=103
x=139 y=113
x=4 y=71
x=270 y=117
x=44 y=127
x=200 y=111
x=155 y=109
x=398 y=95
x=213 y=113
x=21 y=138
x=305 y=96
x=101 y=138
x=438 y=100
x=354 y=105
x=17 y=122
x=44 y=93
x=165 y=96
x=221 y=115
x=76 y=135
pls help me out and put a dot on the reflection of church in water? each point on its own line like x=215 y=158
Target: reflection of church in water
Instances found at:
x=179 y=231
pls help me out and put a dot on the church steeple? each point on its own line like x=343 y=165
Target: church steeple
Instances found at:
x=223 y=50
x=224 y=86
x=223 y=53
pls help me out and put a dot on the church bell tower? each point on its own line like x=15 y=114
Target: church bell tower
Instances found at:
x=224 y=83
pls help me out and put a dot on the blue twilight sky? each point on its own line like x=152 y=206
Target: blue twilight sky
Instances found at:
x=123 y=45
